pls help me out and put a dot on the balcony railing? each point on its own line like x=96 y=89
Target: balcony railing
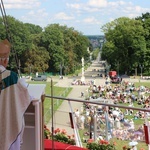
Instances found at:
x=99 y=119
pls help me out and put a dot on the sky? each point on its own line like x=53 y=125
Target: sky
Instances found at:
x=85 y=16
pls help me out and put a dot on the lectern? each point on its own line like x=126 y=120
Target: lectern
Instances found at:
x=33 y=136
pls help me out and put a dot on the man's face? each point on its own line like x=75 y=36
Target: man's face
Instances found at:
x=4 y=52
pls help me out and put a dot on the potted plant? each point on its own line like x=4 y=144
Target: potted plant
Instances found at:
x=100 y=145
x=59 y=135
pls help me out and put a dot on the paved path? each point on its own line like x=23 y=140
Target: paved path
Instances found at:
x=61 y=116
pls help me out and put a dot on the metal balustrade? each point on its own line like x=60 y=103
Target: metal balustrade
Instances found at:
x=98 y=127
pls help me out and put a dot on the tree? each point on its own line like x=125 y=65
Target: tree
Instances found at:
x=53 y=41
x=125 y=43
x=20 y=41
x=145 y=19
x=62 y=46
x=2 y=29
x=69 y=44
x=66 y=47
x=36 y=60
x=33 y=29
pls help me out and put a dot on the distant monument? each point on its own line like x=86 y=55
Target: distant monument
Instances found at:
x=83 y=77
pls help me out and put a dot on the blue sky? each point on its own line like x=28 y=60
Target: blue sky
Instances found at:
x=85 y=16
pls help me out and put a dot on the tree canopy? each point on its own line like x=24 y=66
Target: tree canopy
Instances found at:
x=125 y=47
x=48 y=49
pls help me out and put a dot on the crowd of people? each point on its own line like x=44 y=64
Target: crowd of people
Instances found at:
x=117 y=122
x=125 y=92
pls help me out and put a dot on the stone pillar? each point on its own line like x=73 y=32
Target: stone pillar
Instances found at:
x=83 y=77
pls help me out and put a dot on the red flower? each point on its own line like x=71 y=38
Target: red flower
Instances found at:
x=90 y=141
x=103 y=142
x=106 y=142
x=57 y=130
x=124 y=147
x=63 y=131
x=69 y=136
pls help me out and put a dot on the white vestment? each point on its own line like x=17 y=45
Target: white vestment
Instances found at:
x=14 y=100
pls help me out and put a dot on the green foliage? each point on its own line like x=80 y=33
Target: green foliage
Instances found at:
x=95 y=54
x=47 y=133
x=53 y=40
x=65 y=46
x=145 y=19
x=124 y=41
x=2 y=29
x=44 y=50
x=61 y=136
x=20 y=40
x=33 y=29
x=36 y=60
x=100 y=145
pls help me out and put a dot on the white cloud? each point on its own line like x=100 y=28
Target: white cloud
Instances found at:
x=63 y=16
x=97 y=3
x=74 y=6
x=38 y=17
x=119 y=6
x=40 y=13
x=91 y=20
x=75 y=13
x=138 y=9
x=102 y=11
x=21 y=4
x=117 y=3
x=132 y=11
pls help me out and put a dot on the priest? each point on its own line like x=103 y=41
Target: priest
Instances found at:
x=14 y=100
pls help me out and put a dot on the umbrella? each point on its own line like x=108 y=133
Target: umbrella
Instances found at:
x=133 y=143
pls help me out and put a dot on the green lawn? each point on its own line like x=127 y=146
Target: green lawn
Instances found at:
x=57 y=91
x=147 y=84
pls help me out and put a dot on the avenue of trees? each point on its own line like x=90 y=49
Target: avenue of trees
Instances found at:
x=56 y=47
x=127 y=45
x=44 y=50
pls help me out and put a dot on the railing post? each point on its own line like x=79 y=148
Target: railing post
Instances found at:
x=106 y=120
x=95 y=125
x=52 y=105
x=77 y=136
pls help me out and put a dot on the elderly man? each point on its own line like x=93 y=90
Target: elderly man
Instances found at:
x=14 y=100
